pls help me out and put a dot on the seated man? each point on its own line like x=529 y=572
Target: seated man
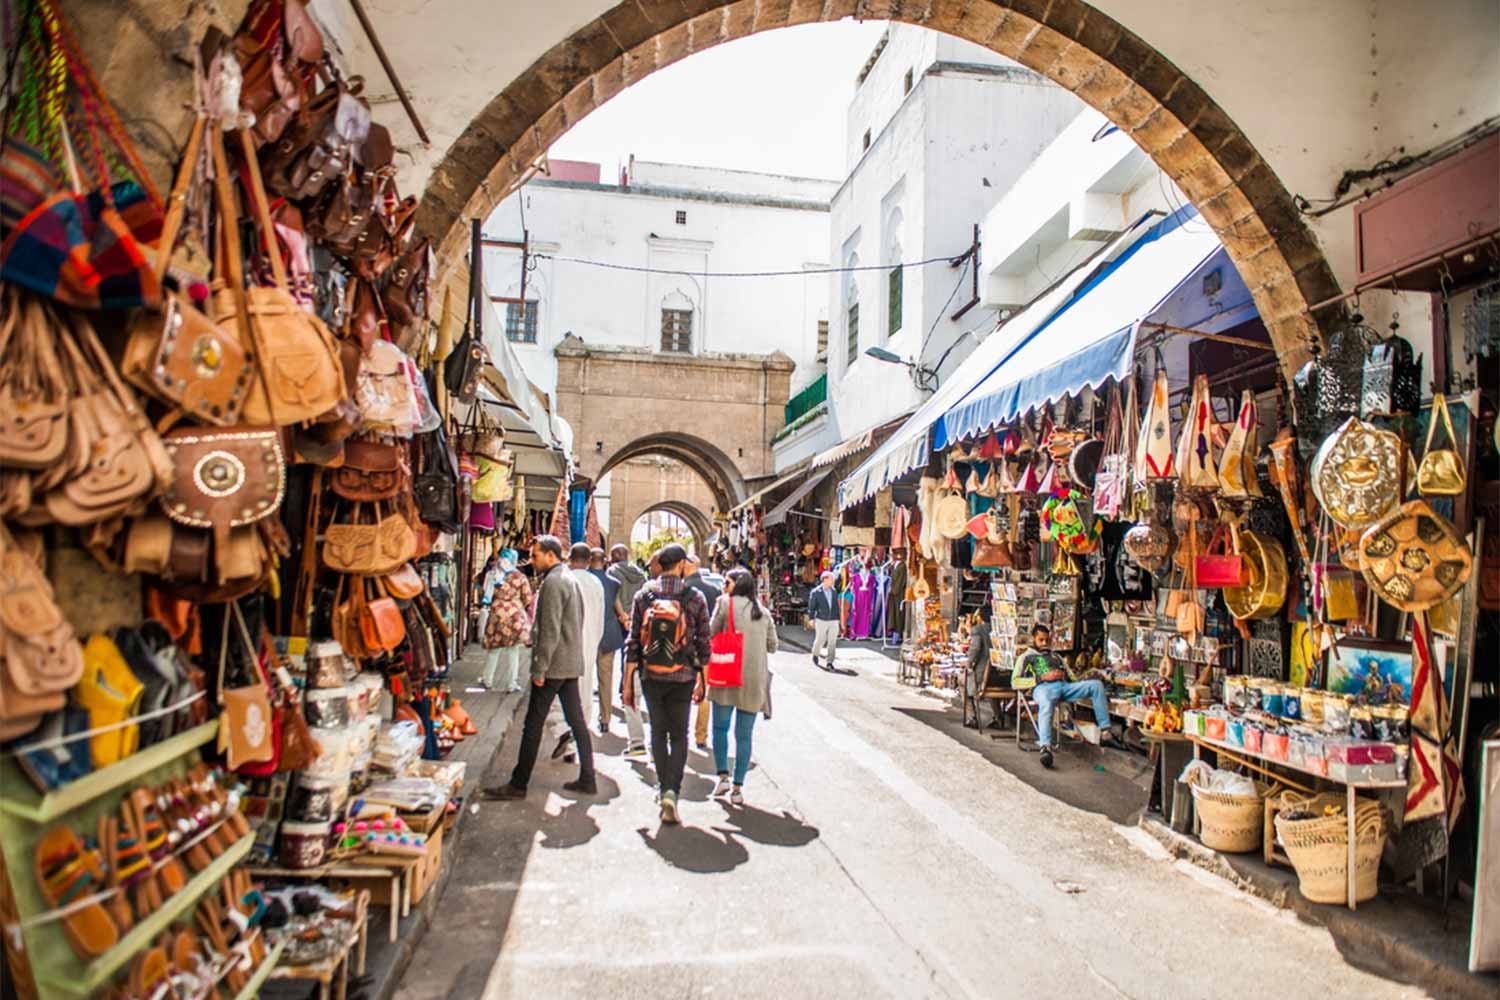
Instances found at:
x=1053 y=684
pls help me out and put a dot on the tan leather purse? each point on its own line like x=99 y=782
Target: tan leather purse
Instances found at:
x=246 y=723
x=1413 y=558
x=380 y=623
x=300 y=376
x=42 y=657
x=405 y=583
x=1441 y=472
x=384 y=392
x=177 y=353
x=372 y=470
x=33 y=395
x=369 y=549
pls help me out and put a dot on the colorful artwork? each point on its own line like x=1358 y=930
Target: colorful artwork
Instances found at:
x=1379 y=671
x=1303 y=667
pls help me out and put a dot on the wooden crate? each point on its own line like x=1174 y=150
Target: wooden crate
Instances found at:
x=429 y=866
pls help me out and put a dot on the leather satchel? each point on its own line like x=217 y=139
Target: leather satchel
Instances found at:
x=405 y=294
x=41 y=658
x=33 y=393
x=369 y=549
x=1413 y=558
x=380 y=623
x=1441 y=471
x=404 y=584
x=372 y=470
x=436 y=485
x=385 y=395
x=319 y=143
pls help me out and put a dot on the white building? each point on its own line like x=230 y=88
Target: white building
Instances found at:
x=937 y=131
x=665 y=230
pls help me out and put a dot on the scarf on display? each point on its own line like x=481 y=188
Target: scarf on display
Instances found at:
x=561 y=527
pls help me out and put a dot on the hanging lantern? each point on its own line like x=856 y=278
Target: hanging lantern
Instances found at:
x=1392 y=378
x=1151 y=545
x=1341 y=371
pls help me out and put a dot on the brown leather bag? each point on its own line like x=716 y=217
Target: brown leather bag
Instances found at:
x=177 y=353
x=300 y=375
x=344 y=622
x=372 y=470
x=369 y=549
x=224 y=478
x=42 y=658
x=380 y=623
x=319 y=143
x=33 y=395
x=404 y=584
x=405 y=295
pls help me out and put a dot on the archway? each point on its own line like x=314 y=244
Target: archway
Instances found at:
x=707 y=461
x=696 y=520
x=1169 y=115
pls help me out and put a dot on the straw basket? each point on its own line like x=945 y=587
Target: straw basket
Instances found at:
x=1319 y=851
x=1230 y=823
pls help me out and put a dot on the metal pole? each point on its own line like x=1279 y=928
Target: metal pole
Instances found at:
x=390 y=71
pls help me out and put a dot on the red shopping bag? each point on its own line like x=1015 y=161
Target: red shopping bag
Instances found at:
x=726 y=657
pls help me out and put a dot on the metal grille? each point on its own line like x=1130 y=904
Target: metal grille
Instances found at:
x=520 y=325
x=677 y=331
x=851 y=333
x=893 y=299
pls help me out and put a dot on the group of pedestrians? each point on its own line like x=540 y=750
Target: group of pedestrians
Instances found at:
x=585 y=615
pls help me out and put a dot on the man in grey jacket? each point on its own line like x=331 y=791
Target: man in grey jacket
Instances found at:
x=557 y=645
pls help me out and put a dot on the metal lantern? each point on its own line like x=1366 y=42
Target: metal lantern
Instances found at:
x=1341 y=371
x=1392 y=378
x=1151 y=545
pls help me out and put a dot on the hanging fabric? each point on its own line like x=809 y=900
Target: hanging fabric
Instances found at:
x=1153 y=454
x=1195 y=449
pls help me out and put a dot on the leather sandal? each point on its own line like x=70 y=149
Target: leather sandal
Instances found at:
x=67 y=871
x=206 y=813
x=121 y=867
x=149 y=973
x=184 y=824
x=153 y=833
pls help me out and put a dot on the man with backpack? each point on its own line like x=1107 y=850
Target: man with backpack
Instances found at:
x=557 y=658
x=668 y=647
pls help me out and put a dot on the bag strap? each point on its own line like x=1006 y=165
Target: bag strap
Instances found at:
x=257 y=196
x=1439 y=410
x=730 y=598
x=177 y=202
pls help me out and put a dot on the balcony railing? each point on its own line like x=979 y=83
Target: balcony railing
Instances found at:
x=809 y=398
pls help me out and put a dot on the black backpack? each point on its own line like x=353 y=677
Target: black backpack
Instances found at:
x=665 y=646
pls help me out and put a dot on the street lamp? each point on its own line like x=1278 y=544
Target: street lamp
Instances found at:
x=925 y=378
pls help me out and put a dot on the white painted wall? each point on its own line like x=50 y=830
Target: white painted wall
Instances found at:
x=736 y=221
x=952 y=146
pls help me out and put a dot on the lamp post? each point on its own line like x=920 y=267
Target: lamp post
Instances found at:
x=925 y=378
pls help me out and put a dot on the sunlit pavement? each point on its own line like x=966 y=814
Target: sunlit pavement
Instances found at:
x=875 y=856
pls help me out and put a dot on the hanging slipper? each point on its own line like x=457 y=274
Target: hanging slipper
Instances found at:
x=67 y=871
x=150 y=975
x=123 y=864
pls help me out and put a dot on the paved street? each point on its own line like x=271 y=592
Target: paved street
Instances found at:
x=876 y=857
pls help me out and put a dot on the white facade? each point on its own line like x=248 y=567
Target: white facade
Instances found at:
x=675 y=224
x=951 y=126
x=1085 y=189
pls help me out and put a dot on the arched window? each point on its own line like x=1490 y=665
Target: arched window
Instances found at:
x=677 y=324
x=851 y=313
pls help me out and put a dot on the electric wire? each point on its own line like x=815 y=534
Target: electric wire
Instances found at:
x=800 y=272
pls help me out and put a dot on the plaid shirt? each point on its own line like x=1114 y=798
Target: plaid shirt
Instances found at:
x=696 y=609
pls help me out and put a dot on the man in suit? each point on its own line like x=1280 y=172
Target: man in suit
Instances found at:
x=823 y=609
x=557 y=659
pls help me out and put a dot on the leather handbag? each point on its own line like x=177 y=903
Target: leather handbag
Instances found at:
x=1441 y=471
x=225 y=483
x=1217 y=566
x=372 y=470
x=384 y=392
x=1153 y=452
x=1413 y=558
x=319 y=143
x=485 y=439
x=405 y=293
x=369 y=549
x=300 y=374
x=435 y=485
x=34 y=395
x=176 y=353
x=1356 y=473
x=249 y=730
x=380 y=623
x=404 y=584
x=42 y=657
x=494 y=484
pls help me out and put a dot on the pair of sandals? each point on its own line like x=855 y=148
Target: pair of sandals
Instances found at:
x=177 y=967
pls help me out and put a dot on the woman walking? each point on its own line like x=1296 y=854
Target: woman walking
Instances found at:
x=507 y=632
x=741 y=704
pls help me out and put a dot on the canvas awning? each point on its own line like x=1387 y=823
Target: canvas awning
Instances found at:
x=790 y=476
x=909 y=446
x=843 y=449
x=1092 y=337
x=778 y=513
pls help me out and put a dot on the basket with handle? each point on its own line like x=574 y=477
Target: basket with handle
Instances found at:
x=1319 y=851
x=1231 y=823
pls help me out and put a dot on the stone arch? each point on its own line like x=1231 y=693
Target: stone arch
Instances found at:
x=698 y=522
x=1169 y=115
x=708 y=461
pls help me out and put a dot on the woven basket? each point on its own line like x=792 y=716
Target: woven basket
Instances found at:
x=1230 y=823
x=1319 y=851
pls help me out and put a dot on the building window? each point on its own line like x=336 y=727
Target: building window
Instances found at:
x=822 y=340
x=851 y=333
x=677 y=331
x=681 y=218
x=867 y=139
x=908 y=82
x=893 y=301
x=520 y=324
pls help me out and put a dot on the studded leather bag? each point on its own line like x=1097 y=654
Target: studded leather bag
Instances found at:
x=369 y=547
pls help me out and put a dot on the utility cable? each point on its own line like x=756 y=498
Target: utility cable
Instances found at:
x=743 y=274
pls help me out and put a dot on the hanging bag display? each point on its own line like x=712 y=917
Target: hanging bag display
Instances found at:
x=1356 y=474
x=1237 y=478
x=1217 y=565
x=42 y=656
x=1196 y=469
x=249 y=730
x=726 y=656
x=1153 y=450
x=1441 y=471
x=369 y=549
x=372 y=470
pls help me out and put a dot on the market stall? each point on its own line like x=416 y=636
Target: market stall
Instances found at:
x=243 y=470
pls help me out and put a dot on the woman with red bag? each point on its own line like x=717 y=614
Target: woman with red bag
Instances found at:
x=739 y=611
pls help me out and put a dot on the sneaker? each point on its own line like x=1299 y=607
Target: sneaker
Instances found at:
x=669 y=808
x=701 y=746
x=737 y=797
x=1046 y=757
x=562 y=744
x=636 y=750
x=582 y=787
x=817 y=663
x=722 y=788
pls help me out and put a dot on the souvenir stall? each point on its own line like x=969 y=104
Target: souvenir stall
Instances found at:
x=229 y=507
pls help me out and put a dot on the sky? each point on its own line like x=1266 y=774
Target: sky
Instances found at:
x=772 y=102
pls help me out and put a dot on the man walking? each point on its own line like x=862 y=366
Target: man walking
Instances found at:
x=613 y=639
x=593 y=631
x=711 y=595
x=557 y=657
x=823 y=609
x=631 y=579
x=668 y=646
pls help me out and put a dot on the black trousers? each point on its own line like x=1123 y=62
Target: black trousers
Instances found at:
x=671 y=707
x=537 y=708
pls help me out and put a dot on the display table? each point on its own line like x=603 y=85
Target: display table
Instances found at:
x=1160 y=743
x=1246 y=758
x=395 y=871
x=332 y=973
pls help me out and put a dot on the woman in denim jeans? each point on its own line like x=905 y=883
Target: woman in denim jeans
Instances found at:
x=741 y=704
